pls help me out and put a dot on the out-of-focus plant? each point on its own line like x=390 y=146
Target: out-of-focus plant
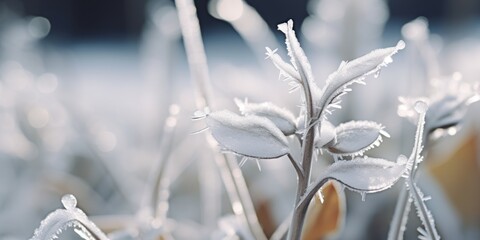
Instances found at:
x=441 y=115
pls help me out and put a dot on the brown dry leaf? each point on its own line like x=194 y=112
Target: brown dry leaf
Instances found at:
x=325 y=219
x=459 y=175
x=265 y=217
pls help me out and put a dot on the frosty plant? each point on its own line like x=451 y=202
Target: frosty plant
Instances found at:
x=69 y=217
x=445 y=113
x=447 y=104
x=262 y=130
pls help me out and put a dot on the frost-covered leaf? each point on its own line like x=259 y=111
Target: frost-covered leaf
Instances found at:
x=355 y=137
x=366 y=174
x=70 y=217
x=300 y=62
x=281 y=117
x=250 y=136
x=286 y=70
x=355 y=72
x=325 y=218
x=362 y=174
x=449 y=111
x=326 y=135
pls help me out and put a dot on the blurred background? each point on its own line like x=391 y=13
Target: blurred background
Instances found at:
x=96 y=95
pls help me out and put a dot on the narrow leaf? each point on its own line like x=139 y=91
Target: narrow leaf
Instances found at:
x=355 y=137
x=286 y=70
x=300 y=61
x=281 y=117
x=250 y=136
x=355 y=72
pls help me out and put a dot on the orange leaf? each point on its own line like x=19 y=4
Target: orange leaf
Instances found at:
x=459 y=175
x=325 y=219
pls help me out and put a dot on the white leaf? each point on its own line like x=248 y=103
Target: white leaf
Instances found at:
x=366 y=174
x=281 y=117
x=300 y=61
x=326 y=135
x=355 y=137
x=250 y=136
x=71 y=217
x=355 y=72
x=446 y=112
x=286 y=69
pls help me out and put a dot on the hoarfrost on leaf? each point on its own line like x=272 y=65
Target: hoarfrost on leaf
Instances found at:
x=355 y=72
x=355 y=137
x=366 y=174
x=282 y=118
x=326 y=135
x=250 y=136
x=362 y=174
x=70 y=217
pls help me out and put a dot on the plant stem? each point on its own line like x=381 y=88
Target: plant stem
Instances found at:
x=299 y=213
x=229 y=170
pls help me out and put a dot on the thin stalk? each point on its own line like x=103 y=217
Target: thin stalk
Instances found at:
x=402 y=208
x=282 y=230
x=229 y=170
x=155 y=187
x=297 y=167
x=307 y=149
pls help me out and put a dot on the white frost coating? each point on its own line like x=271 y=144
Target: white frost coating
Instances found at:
x=250 y=136
x=446 y=112
x=72 y=217
x=429 y=232
x=281 y=117
x=327 y=134
x=286 y=70
x=299 y=60
x=355 y=137
x=362 y=174
x=355 y=72
x=366 y=174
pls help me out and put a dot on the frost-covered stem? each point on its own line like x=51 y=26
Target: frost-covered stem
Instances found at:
x=307 y=149
x=238 y=193
x=402 y=209
x=423 y=212
x=400 y=217
x=197 y=60
x=229 y=170
x=296 y=166
x=155 y=185
x=301 y=207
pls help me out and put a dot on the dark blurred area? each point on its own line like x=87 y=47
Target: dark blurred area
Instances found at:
x=89 y=19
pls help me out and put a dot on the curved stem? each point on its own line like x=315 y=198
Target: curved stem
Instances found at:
x=229 y=170
x=296 y=166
